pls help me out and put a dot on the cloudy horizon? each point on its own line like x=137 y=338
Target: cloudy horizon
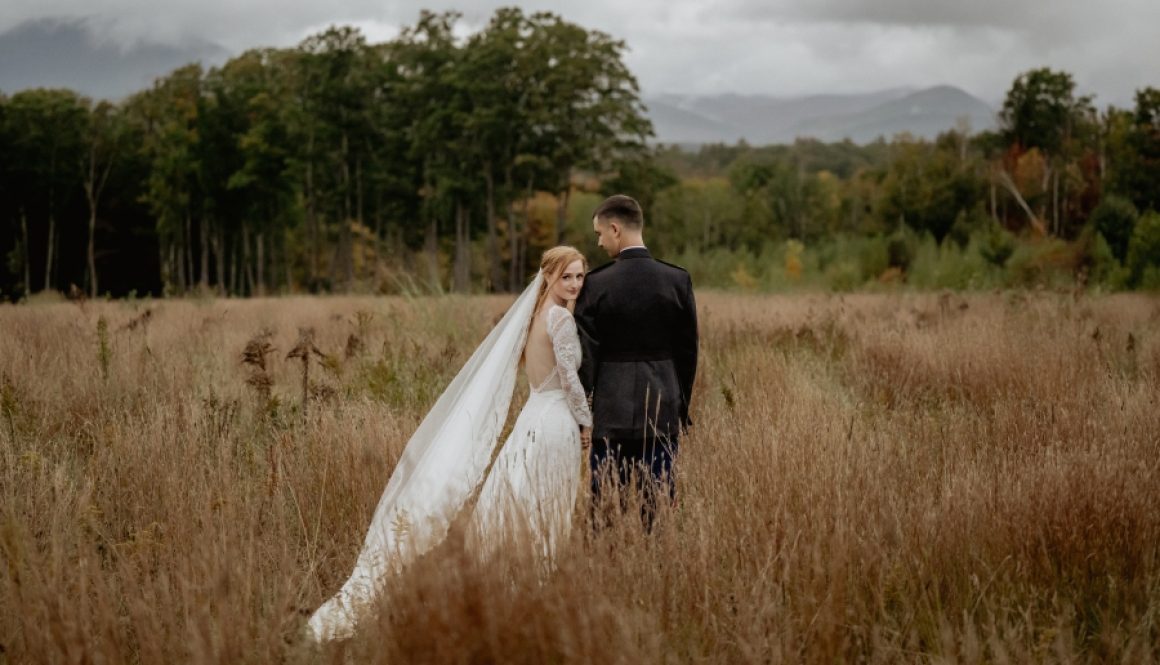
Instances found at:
x=776 y=47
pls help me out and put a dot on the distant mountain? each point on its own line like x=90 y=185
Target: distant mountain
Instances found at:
x=861 y=118
x=69 y=54
x=51 y=53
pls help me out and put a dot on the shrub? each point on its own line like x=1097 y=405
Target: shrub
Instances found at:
x=844 y=275
x=1144 y=252
x=1095 y=256
x=1115 y=219
x=873 y=257
x=1048 y=262
x=900 y=250
x=997 y=245
x=944 y=266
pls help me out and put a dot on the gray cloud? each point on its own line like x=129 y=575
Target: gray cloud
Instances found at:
x=744 y=46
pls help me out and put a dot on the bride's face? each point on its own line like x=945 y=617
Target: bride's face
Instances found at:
x=568 y=286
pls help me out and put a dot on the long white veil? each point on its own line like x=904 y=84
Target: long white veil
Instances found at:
x=442 y=464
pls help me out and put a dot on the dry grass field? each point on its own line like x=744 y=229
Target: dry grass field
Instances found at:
x=871 y=478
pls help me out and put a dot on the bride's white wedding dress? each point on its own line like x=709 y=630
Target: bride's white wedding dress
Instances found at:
x=530 y=489
x=537 y=473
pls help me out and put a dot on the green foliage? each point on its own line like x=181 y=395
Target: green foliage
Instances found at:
x=1097 y=262
x=438 y=161
x=1040 y=110
x=1048 y=263
x=1139 y=151
x=1115 y=219
x=996 y=245
x=1144 y=252
x=43 y=146
x=948 y=266
x=844 y=274
x=928 y=188
x=900 y=250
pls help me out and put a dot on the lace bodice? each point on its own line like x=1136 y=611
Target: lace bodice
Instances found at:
x=566 y=348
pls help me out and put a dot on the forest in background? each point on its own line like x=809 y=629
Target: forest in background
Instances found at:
x=435 y=162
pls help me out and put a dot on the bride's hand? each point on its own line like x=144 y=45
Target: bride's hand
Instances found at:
x=585 y=437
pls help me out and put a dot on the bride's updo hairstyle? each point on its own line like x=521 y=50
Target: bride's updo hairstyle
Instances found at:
x=552 y=266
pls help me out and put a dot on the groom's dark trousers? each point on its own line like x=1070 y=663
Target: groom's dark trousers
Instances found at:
x=633 y=463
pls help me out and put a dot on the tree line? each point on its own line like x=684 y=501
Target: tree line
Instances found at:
x=1076 y=187
x=449 y=162
x=317 y=166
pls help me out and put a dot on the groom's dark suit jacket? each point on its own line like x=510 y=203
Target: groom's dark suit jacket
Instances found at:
x=638 y=327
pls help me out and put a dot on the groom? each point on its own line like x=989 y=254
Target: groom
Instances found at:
x=638 y=327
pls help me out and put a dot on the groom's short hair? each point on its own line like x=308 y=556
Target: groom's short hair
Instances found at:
x=623 y=209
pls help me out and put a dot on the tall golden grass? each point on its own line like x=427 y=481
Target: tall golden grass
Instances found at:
x=874 y=478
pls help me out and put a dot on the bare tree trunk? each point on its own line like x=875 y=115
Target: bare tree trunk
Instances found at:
x=462 y=250
x=311 y=213
x=204 y=253
x=522 y=255
x=91 y=253
x=179 y=258
x=247 y=267
x=261 y=264
x=1005 y=180
x=343 y=264
x=219 y=261
x=172 y=268
x=994 y=202
x=494 y=270
x=358 y=214
x=51 y=244
x=514 y=247
x=378 y=248
x=189 y=248
x=1045 y=185
x=163 y=265
x=432 y=246
x=234 y=271
x=289 y=283
x=94 y=185
x=1055 y=202
x=27 y=255
x=49 y=251
x=562 y=212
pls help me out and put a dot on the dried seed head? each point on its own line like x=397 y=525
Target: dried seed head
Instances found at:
x=258 y=348
x=305 y=345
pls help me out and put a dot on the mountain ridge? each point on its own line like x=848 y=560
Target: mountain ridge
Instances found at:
x=859 y=117
x=67 y=53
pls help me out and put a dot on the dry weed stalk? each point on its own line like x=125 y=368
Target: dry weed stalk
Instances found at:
x=140 y=321
x=8 y=403
x=303 y=350
x=220 y=415
x=356 y=342
x=254 y=356
x=104 y=354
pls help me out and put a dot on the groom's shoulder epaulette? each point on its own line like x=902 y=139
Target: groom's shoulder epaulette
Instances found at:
x=672 y=265
x=600 y=267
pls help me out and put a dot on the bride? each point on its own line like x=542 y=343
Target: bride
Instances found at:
x=532 y=486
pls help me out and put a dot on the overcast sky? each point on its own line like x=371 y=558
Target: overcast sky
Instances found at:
x=780 y=47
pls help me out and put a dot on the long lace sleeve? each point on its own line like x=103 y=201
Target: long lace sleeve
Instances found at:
x=566 y=345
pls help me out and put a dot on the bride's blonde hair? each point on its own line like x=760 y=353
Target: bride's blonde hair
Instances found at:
x=552 y=266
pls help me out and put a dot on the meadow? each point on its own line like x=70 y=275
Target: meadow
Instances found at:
x=871 y=478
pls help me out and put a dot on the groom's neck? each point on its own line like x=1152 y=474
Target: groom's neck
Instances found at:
x=628 y=241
